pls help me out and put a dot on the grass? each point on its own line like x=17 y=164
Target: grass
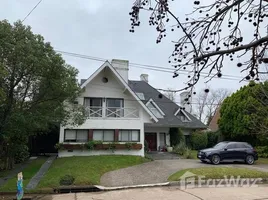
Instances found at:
x=86 y=170
x=194 y=154
x=220 y=172
x=28 y=173
x=262 y=161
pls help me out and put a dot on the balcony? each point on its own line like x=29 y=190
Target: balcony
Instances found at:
x=112 y=112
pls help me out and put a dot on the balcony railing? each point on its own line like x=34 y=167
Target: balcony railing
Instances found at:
x=112 y=112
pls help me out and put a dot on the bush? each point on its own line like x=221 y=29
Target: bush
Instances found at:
x=199 y=140
x=213 y=138
x=176 y=136
x=262 y=151
x=146 y=147
x=180 y=148
x=188 y=153
x=21 y=153
x=67 y=180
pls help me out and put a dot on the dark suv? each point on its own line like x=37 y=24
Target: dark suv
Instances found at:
x=229 y=151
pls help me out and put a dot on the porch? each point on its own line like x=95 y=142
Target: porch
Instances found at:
x=157 y=138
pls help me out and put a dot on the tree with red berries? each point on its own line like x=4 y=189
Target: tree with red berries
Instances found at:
x=212 y=33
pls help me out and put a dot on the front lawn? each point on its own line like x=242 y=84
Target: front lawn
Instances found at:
x=86 y=170
x=28 y=173
x=262 y=161
x=194 y=154
x=220 y=172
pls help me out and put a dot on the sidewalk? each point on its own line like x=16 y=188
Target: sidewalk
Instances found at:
x=170 y=193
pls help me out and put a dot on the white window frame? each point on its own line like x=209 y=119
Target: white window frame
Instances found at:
x=156 y=106
x=103 y=130
x=129 y=135
x=75 y=135
x=184 y=113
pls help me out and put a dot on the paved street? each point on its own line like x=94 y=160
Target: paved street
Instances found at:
x=170 y=193
x=158 y=172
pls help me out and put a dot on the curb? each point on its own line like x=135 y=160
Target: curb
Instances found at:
x=242 y=182
x=103 y=188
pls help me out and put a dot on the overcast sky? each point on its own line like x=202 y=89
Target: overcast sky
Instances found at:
x=100 y=28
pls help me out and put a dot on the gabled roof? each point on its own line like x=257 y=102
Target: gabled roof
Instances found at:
x=167 y=106
x=108 y=64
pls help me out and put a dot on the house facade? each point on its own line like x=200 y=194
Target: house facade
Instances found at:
x=122 y=114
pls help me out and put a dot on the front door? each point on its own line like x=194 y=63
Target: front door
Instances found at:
x=151 y=140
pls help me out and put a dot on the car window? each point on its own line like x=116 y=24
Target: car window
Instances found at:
x=240 y=145
x=220 y=145
x=231 y=146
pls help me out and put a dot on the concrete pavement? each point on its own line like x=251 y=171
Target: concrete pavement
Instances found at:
x=170 y=193
x=158 y=171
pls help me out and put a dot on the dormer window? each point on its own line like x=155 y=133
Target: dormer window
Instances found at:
x=155 y=109
x=182 y=115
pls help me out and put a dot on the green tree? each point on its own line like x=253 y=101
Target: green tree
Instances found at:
x=199 y=140
x=37 y=88
x=244 y=113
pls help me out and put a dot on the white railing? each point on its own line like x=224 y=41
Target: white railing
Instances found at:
x=94 y=111
x=122 y=112
x=112 y=112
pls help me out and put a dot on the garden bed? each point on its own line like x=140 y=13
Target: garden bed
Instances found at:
x=126 y=146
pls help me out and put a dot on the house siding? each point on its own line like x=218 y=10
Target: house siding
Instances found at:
x=112 y=89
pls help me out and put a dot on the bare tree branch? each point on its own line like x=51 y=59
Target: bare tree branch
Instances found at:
x=242 y=47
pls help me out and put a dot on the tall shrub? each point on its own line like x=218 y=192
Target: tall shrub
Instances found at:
x=213 y=138
x=199 y=140
x=176 y=136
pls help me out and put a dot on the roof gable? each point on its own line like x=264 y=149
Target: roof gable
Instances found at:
x=108 y=64
x=167 y=106
x=183 y=112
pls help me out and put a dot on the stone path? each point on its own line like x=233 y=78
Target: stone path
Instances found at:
x=39 y=175
x=158 y=172
x=14 y=172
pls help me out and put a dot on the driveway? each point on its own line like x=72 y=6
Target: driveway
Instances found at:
x=158 y=172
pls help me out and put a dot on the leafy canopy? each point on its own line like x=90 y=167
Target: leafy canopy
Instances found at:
x=245 y=111
x=35 y=85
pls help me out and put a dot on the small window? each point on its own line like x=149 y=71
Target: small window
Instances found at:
x=154 y=110
x=103 y=135
x=70 y=136
x=182 y=116
x=129 y=136
x=76 y=135
x=81 y=135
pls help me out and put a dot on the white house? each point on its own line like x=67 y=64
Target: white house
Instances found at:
x=124 y=113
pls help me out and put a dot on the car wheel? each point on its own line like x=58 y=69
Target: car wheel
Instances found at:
x=250 y=159
x=215 y=159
